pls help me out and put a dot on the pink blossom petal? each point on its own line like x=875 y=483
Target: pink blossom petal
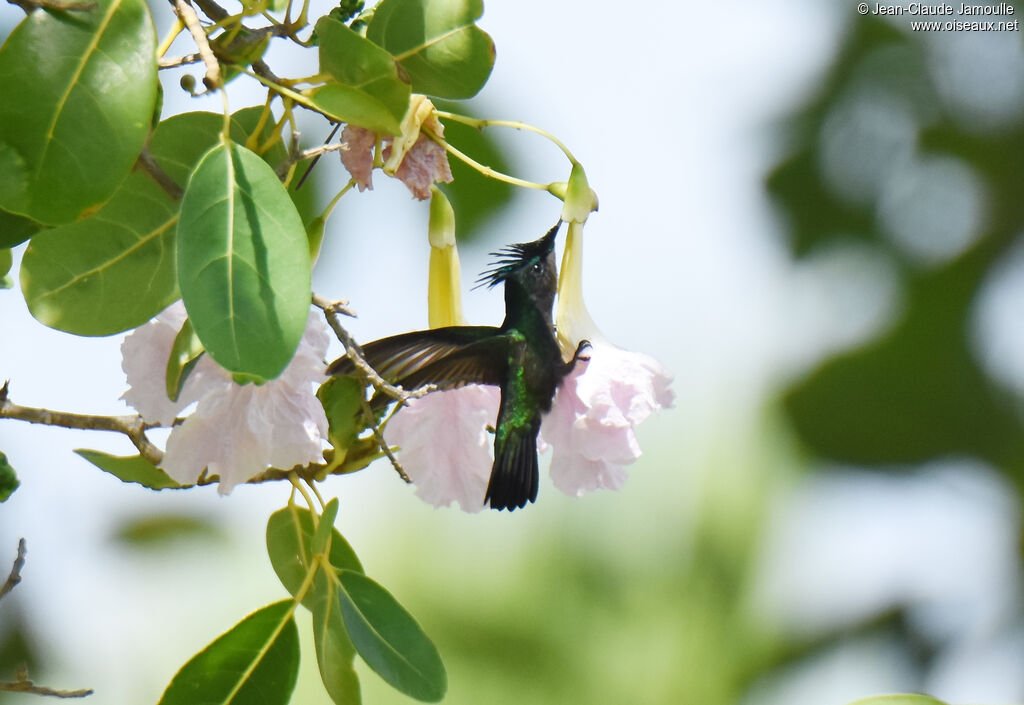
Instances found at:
x=444 y=444
x=357 y=154
x=594 y=413
x=236 y=432
x=425 y=164
x=144 y=354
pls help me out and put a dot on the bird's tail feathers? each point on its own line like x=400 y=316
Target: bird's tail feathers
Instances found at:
x=515 y=475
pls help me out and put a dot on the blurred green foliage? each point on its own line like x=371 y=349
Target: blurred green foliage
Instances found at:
x=917 y=391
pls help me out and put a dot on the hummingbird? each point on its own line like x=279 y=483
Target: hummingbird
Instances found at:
x=521 y=358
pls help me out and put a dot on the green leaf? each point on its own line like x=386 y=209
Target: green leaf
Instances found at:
x=315 y=235
x=6 y=260
x=289 y=545
x=352 y=105
x=109 y=272
x=132 y=468
x=116 y=269
x=437 y=42
x=389 y=639
x=256 y=662
x=354 y=61
x=185 y=353
x=325 y=527
x=79 y=90
x=8 y=479
x=15 y=229
x=342 y=401
x=243 y=263
x=335 y=654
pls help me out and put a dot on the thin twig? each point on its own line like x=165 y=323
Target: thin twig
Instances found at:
x=15 y=577
x=188 y=15
x=149 y=165
x=331 y=310
x=212 y=10
x=311 y=153
x=316 y=158
x=261 y=69
x=178 y=61
x=22 y=684
x=131 y=426
x=378 y=438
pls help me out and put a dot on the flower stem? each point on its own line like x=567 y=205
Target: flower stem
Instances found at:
x=293 y=478
x=485 y=170
x=481 y=123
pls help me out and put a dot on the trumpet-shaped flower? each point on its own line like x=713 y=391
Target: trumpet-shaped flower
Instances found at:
x=442 y=437
x=592 y=420
x=444 y=444
x=413 y=157
x=594 y=414
x=237 y=431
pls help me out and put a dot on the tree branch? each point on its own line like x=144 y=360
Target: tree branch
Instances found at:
x=15 y=577
x=149 y=165
x=131 y=426
x=178 y=61
x=22 y=684
x=313 y=153
x=331 y=310
x=188 y=15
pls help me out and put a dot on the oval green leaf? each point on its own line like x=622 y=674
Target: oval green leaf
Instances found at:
x=355 y=61
x=255 y=663
x=437 y=42
x=133 y=468
x=6 y=260
x=185 y=353
x=15 y=229
x=389 y=639
x=325 y=527
x=342 y=399
x=353 y=105
x=80 y=88
x=243 y=263
x=290 y=547
x=335 y=654
x=109 y=272
x=116 y=269
x=8 y=479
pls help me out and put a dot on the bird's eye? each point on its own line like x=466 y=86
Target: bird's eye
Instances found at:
x=537 y=266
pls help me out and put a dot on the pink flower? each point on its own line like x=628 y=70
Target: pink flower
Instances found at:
x=237 y=431
x=413 y=157
x=591 y=424
x=444 y=444
x=357 y=154
x=595 y=411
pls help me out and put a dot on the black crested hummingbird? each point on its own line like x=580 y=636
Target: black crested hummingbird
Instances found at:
x=521 y=357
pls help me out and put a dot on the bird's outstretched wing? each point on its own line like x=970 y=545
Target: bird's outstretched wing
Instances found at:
x=446 y=357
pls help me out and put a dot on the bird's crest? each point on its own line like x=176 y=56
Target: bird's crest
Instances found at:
x=515 y=257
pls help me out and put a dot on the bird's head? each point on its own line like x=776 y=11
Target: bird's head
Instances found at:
x=530 y=265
